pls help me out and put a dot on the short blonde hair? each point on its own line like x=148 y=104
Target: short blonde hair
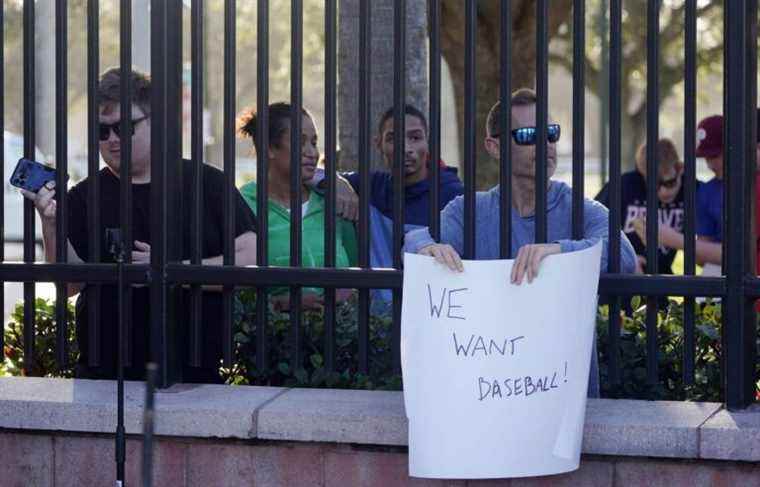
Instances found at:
x=667 y=155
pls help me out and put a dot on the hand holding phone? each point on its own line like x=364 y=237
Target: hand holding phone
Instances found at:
x=37 y=183
x=31 y=175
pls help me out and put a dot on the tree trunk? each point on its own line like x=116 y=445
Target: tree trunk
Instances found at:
x=487 y=65
x=382 y=70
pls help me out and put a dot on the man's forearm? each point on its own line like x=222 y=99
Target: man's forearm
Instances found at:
x=49 y=240
x=245 y=252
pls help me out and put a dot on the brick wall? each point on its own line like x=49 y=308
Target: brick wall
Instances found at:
x=55 y=460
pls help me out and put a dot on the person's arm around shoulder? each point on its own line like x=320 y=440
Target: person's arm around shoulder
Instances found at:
x=346 y=198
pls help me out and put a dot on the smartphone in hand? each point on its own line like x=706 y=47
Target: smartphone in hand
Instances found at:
x=31 y=175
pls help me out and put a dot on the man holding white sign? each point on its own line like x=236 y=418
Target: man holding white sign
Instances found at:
x=496 y=373
x=528 y=256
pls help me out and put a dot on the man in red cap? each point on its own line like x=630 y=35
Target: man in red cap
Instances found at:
x=710 y=194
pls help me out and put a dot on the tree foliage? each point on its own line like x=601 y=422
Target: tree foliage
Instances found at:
x=634 y=57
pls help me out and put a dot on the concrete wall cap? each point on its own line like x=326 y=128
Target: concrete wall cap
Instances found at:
x=613 y=427
x=732 y=435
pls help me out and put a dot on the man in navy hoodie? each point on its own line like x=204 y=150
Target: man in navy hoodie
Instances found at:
x=416 y=166
x=528 y=256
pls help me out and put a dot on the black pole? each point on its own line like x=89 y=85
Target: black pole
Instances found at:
x=148 y=420
x=120 y=433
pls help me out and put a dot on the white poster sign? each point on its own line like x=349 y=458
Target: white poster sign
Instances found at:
x=496 y=374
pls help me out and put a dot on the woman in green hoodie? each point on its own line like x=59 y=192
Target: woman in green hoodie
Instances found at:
x=313 y=204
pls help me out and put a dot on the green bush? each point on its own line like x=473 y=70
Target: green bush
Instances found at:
x=44 y=363
x=670 y=345
x=311 y=372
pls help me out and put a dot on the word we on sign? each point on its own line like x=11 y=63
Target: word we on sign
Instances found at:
x=503 y=367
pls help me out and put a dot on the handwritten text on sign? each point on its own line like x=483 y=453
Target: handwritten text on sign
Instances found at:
x=503 y=367
x=477 y=346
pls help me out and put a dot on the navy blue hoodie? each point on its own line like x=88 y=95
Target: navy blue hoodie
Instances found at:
x=417 y=200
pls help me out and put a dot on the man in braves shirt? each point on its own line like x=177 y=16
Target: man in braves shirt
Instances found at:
x=670 y=201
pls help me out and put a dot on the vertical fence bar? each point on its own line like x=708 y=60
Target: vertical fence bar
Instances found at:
x=296 y=119
x=739 y=323
x=365 y=78
x=61 y=163
x=399 y=145
x=470 y=111
x=196 y=154
x=505 y=129
x=542 y=116
x=653 y=112
x=175 y=185
x=434 y=122
x=331 y=120
x=123 y=254
x=262 y=165
x=230 y=45
x=2 y=174
x=690 y=183
x=93 y=167
x=159 y=112
x=29 y=152
x=125 y=174
x=613 y=259
x=603 y=29
x=750 y=188
x=579 y=114
x=166 y=24
x=149 y=416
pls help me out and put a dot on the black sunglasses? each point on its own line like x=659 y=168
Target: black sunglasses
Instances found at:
x=527 y=135
x=668 y=183
x=106 y=128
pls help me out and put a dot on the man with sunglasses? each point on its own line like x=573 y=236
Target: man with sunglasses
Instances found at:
x=528 y=256
x=79 y=231
x=670 y=197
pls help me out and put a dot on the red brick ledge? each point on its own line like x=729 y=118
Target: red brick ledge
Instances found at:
x=683 y=430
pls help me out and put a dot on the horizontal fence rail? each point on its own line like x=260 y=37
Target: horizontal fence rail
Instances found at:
x=178 y=281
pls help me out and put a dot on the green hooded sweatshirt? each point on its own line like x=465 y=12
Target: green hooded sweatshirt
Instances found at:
x=312 y=228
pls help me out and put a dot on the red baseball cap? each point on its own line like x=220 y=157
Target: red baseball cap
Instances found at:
x=710 y=136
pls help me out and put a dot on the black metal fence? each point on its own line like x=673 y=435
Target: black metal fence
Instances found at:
x=166 y=274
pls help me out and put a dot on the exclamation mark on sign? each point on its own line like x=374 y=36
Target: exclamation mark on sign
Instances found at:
x=565 y=371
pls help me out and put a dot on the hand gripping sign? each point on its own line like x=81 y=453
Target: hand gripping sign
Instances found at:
x=495 y=374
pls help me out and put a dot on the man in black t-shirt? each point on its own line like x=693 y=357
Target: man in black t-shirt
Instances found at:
x=108 y=203
x=670 y=200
